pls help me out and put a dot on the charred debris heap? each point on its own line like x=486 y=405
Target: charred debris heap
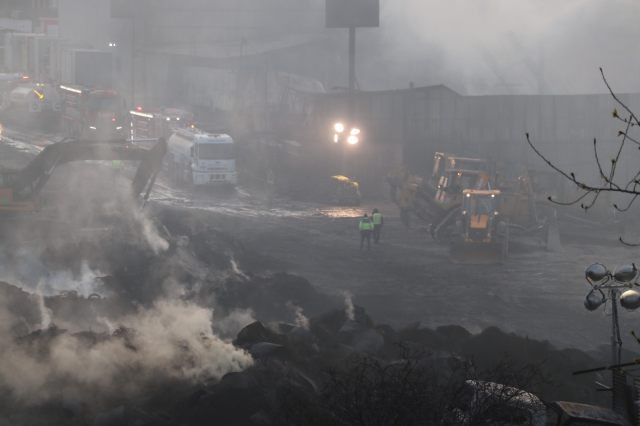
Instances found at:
x=272 y=349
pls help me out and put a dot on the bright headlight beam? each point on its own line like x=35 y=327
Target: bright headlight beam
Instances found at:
x=352 y=140
x=335 y=138
x=355 y=132
x=339 y=128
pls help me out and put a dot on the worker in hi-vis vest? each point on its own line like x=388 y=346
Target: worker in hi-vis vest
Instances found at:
x=365 y=231
x=378 y=221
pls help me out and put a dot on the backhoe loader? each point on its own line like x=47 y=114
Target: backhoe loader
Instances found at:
x=20 y=189
x=437 y=200
x=481 y=233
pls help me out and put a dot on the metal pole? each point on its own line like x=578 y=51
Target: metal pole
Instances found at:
x=352 y=59
x=614 y=328
x=351 y=97
x=133 y=63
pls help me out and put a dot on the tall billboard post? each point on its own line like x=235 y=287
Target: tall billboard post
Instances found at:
x=352 y=14
x=132 y=10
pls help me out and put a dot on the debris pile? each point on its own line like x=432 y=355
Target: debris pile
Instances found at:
x=122 y=331
x=168 y=367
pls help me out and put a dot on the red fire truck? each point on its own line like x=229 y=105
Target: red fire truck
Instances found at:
x=152 y=123
x=95 y=113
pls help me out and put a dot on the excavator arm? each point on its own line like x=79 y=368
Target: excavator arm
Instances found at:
x=30 y=180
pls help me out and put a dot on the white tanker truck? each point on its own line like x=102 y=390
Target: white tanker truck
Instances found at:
x=33 y=105
x=201 y=158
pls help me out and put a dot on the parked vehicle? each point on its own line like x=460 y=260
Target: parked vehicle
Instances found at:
x=34 y=106
x=201 y=158
x=153 y=123
x=96 y=113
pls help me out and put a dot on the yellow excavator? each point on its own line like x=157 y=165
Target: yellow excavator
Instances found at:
x=481 y=233
x=20 y=189
x=437 y=201
x=347 y=191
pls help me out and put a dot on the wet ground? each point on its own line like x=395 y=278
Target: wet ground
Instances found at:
x=407 y=277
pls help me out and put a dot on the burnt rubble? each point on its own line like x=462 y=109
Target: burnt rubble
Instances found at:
x=286 y=358
x=279 y=336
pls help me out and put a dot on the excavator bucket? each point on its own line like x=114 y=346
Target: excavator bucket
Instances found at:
x=477 y=253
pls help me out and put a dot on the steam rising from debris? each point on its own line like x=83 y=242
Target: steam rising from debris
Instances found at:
x=168 y=340
x=173 y=340
x=45 y=312
x=86 y=284
x=480 y=47
x=230 y=325
x=150 y=232
x=349 y=308
x=301 y=320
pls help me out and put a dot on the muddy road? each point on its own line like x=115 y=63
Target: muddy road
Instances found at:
x=407 y=277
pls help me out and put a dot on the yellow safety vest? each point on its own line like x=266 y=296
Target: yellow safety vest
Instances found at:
x=366 y=226
x=377 y=219
x=117 y=164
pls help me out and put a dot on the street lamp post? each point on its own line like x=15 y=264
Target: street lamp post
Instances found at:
x=603 y=281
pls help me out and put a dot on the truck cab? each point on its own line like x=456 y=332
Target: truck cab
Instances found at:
x=201 y=158
x=153 y=123
x=96 y=113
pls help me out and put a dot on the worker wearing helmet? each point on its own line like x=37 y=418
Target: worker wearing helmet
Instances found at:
x=365 y=231
x=378 y=221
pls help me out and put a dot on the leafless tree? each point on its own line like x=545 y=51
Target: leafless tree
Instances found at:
x=415 y=390
x=607 y=174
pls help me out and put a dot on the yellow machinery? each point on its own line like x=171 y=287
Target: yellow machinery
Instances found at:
x=481 y=233
x=347 y=191
x=7 y=202
x=20 y=189
x=437 y=200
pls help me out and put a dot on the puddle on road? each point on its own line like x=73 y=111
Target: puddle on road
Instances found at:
x=240 y=202
x=23 y=142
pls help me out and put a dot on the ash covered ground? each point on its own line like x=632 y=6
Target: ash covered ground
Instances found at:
x=209 y=305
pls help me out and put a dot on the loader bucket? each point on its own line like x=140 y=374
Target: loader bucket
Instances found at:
x=477 y=253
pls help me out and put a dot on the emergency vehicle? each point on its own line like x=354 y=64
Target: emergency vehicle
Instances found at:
x=200 y=158
x=95 y=113
x=158 y=122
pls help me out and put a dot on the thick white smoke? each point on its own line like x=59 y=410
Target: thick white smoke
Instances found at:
x=349 y=308
x=150 y=232
x=173 y=341
x=300 y=319
x=494 y=46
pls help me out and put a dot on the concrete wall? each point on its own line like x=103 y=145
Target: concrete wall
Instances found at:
x=426 y=120
x=88 y=23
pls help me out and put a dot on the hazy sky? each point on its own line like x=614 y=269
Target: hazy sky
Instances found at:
x=493 y=46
